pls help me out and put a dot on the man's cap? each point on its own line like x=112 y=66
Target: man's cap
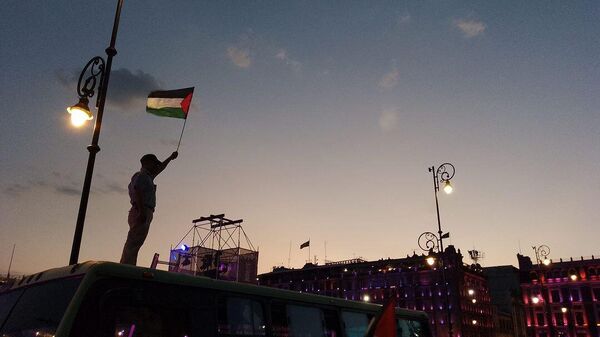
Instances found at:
x=149 y=158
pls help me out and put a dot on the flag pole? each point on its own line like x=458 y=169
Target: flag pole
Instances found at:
x=181 y=136
x=11 y=259
x=290 y=254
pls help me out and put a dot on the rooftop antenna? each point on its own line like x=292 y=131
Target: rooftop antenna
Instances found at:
x=476 y=255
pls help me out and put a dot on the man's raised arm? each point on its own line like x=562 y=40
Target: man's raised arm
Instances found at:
x=160 y=167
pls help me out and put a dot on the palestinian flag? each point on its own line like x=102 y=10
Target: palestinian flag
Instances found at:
x=170 y=103
x=306 y=244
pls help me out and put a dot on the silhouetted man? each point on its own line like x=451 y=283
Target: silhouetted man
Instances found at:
x=142 y=193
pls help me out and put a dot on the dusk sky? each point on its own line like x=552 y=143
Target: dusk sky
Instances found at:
x=310 y=119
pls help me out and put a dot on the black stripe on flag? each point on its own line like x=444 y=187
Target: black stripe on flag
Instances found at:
x=178 y=93
x=306 y=244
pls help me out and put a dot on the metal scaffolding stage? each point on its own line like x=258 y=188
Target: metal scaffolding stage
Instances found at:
x=219 y=249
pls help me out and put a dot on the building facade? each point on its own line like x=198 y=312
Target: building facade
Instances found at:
x=505 y=292
x=561 y=298
x=446 y=287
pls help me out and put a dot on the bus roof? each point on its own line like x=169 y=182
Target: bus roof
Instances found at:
x=111 y=269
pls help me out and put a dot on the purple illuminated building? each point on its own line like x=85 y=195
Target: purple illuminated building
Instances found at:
x=561 y=298
x=415 y=284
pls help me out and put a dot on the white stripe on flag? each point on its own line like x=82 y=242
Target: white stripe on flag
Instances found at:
x=158 y=103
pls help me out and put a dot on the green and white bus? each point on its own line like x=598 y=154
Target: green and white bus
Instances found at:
x=104 y=299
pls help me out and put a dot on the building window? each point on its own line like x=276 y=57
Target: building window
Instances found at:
x=575 y=295
x=540 y=319
x=556 y=296
x=596 y=292
x=558 y=319
x=579 y=318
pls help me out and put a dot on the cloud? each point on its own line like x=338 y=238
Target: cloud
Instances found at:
x=388 y=119
x=283 y=55
x=239 y=56
x=470 y=28
x=68 y=190
x=62 y=184
x=404 y=19
x=390 y=79
x=110 y=187
x=14 y=190
x=127 y=89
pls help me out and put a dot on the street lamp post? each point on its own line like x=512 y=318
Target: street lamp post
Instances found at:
x=96 y=72
x=442 y=174
x=429 y=242
x=542 y=260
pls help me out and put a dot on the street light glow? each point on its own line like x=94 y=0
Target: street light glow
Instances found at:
x=366 y=298
x=546 y=262
x=535 y=300
x=573 y=277
x=563 y=309
x=474 y=321
x=448 y=187
x=471 y=292
x=80 y=113
x=430 y=260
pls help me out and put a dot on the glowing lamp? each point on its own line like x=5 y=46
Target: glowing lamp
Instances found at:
x=546 y=262
x=448 y=187
x=535 y=300
x=366 y=298
x=471 y=292
x=573 y=277
x=563 y=309
x=474 y=301
x=474 y=321
x=80 y=112
x=430 y=260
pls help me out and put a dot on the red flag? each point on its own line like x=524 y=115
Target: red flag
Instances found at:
x=384 y=324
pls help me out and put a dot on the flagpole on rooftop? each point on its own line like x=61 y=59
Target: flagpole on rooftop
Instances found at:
x=11 y=259
x=290 y=255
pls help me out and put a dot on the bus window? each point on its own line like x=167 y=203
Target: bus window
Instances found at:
x=410 y=328
x=120 y=308
x=40 y=309
x=355 y=324
x=303 y=321
x=240 y=317
x=332 y=323
x=7 y=302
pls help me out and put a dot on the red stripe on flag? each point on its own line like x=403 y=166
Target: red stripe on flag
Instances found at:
x=185 y=104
